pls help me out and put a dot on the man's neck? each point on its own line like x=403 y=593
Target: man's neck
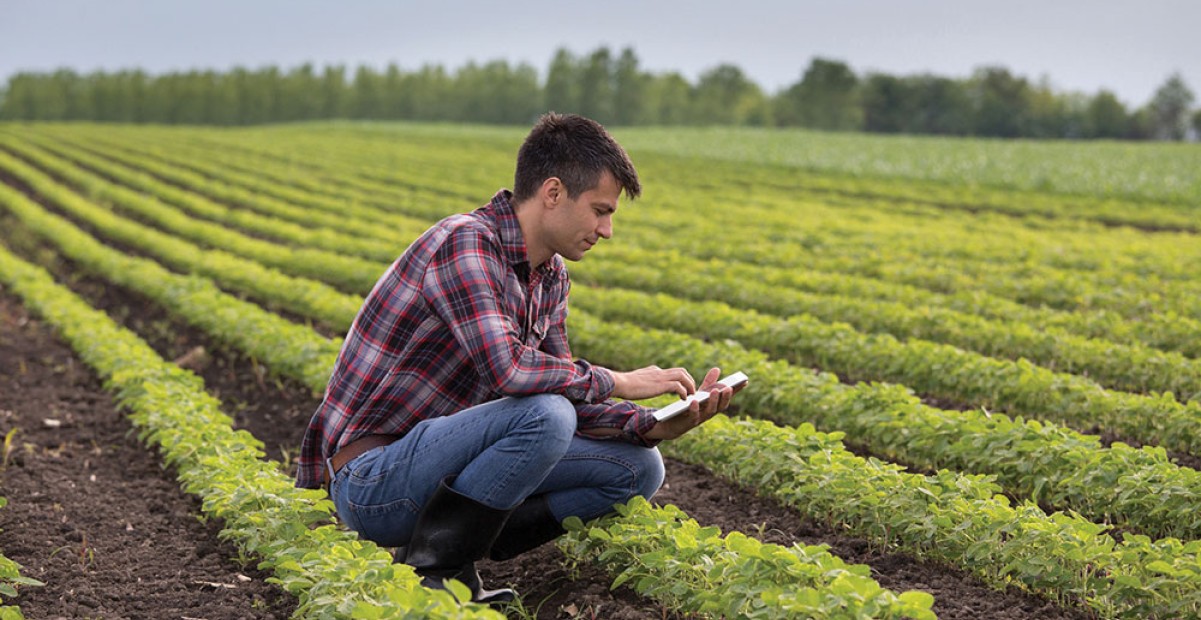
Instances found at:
x=529 y=216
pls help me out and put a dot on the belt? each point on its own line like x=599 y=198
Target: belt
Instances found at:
x=352 y=450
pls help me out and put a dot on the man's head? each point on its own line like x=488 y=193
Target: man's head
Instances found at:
x=577 y=151
x=570 y=174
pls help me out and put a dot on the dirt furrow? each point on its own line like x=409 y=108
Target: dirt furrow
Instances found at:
x=92 y=513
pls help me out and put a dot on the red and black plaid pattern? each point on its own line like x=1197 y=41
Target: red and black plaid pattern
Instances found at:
x=458 y=320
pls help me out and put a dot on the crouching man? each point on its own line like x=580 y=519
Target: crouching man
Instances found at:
x=456 y=425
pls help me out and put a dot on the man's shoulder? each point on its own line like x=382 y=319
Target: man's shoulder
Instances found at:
x=466 y=226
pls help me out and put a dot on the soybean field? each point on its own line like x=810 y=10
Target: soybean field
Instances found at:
x=975 y=372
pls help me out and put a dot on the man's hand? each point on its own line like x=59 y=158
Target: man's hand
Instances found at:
x=652 y=381
x=698 y=413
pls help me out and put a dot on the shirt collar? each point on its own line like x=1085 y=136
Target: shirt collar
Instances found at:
x=511 y=240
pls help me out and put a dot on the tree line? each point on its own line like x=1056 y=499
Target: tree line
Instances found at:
x=611 y=88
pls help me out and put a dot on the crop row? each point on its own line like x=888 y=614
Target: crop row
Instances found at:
x=640 y=343
x=1080 y=250
x=415 y=160
x=1071 y=469
x=931 y=368
x=248 y=189
x=318 y=186
x=1124 y=366
x=1132 y=368
x=342 y=270
x=1117 y=171
x=727 y=169
x=1168 y=331
x=331 y=571
x=1041 y=461
x=1121 y=287
x=661 y=553
x=275 y=220
x=954 y=518
x=302 y=296
x=239 y=327
x=965 y=309
x=979 y=389
x=259 y=333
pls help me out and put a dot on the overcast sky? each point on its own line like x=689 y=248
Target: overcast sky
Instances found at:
x=1128 y=47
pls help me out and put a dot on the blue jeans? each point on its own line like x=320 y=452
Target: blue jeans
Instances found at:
x=501 y=452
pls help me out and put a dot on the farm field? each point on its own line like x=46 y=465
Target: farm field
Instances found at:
x=976 y=372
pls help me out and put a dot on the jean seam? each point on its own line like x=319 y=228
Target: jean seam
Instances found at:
x=629 y=467
x=507 y=476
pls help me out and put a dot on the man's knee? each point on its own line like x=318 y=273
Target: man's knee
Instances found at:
x=551 y=415
x=649 y=473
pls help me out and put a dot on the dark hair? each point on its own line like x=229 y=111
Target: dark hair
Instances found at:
x=574 y=149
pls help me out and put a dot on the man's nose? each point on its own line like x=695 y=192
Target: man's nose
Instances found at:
x=605 y=227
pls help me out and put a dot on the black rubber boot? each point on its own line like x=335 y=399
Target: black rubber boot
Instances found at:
x=530 y=525
x=452 y=532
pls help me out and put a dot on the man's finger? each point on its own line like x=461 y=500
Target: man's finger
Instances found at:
x=686 y=379
x=727 y=394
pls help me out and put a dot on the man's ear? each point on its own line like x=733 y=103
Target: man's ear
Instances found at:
x=553 y=191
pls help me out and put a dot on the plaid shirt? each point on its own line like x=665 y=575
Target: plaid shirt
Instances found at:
x=458 y=320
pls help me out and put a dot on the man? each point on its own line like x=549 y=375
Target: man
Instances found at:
x=456 y=425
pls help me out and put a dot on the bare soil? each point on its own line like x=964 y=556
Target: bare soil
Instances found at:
x=92 y=513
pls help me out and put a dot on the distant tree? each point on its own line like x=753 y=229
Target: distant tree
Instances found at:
x=247 y=96
x=219 y=103
x=130 y=92
x=1197 y=124
x=1169 y=109
x=669 y=99
x=992 y=102
x=725 y=96
x=827 y=97
x=496 y=93
x=368 y=94
x=101 y=89
x=942 y=106
x=433 y=92
x=1141 y=126
x=1106 y=117
x=562 y=83
x=1001 y=103
x=395 y=103
x=1052 y=115
x=889 y=104
x=21 y=97
x=629 y=90
x=302 y=93
x=517 y=90
x=333 y=92
x=54 y=100
x=469 y=100
x=596 y=86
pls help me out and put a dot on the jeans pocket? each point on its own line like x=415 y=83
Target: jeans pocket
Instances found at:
x=389 y=524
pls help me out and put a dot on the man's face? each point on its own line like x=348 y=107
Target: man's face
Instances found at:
x=579 y=223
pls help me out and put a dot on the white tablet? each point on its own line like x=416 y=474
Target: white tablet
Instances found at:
x=735 y=380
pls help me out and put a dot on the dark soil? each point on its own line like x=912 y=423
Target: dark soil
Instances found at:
x=92 y=513
x=56 y=509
